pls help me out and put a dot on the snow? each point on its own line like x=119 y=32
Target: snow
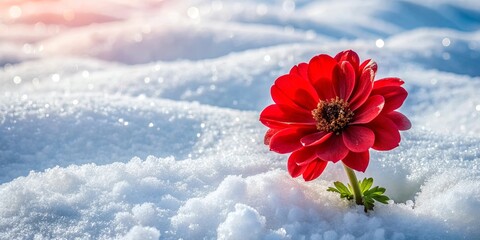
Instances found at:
x=141 y=122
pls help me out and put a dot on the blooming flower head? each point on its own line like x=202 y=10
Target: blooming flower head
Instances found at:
x=331 y=110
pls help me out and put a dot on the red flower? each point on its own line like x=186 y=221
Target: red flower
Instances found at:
x=331 y=109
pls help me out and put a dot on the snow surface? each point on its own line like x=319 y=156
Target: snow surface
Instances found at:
x=139 y=119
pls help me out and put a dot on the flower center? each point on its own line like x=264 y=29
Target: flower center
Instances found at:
x=332 y=115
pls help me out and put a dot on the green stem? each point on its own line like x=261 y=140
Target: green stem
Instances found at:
x=354 y=183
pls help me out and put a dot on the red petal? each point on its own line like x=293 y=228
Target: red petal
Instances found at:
x=357 y=161
x=268 y=135
x=301 y=70
x=400 y=120
x=315 y=138
x=369 y=110
x=349 y=56
x=384 y=82
x=369 y=63
x=333 y=149
x=358 y=138
x=288 y=140
x=386 y=132
x=320 y=73
x=282 y=116
x=298 y=90
x=344 y=80
x=394 y=97
x=314 y=169
x=303 y=156
x=363 y=89
x=294 y=169
x=281 y=98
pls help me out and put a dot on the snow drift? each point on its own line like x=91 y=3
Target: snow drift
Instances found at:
x=142 y=122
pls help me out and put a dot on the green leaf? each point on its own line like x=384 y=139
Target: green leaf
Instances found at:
x=372 y=195
x=342 y=188
x=332 y=189
x=374 y=191
x=347 y=196
x=365 y=184
x=381 y=198
x=369 y=194
x=350 y=187
x=368 y=203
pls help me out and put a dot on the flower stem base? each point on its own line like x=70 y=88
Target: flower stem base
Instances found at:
x=355 y=185
x=361 y=191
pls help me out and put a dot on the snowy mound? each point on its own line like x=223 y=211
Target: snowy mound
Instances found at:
x=141 y=122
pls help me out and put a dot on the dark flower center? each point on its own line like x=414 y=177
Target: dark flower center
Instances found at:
x=332 y=115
